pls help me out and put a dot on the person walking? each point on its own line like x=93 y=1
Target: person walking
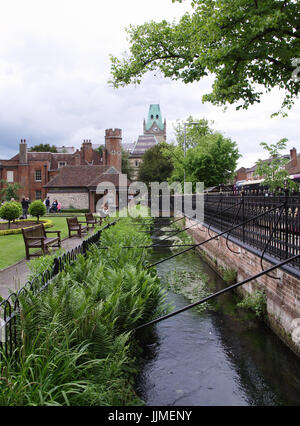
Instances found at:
x=25 y=205
x=47 y=204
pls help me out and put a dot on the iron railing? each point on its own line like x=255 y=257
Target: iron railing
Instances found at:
x=10 y=308
x=276 y=233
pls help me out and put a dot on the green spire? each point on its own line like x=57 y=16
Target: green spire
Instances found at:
x=154 y=115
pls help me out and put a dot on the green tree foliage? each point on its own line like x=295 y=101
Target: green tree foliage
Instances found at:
x=247 y=45
x=274 y=169
x=37 y=208
x=210 y=157
x=43 y=147
x=9 y=190
x=126 y=166
x=157 y=165
x=10 y=211
x=100 y=149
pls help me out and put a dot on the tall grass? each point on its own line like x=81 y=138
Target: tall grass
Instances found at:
x=77 y=345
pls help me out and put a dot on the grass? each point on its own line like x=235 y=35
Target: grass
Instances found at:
x=12 y=248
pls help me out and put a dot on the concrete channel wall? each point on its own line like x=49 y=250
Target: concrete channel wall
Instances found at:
x=282 y=294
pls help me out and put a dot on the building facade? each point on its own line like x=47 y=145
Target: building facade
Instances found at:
x=71 y=178
x=154 y=132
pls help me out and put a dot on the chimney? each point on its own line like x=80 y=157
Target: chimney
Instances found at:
x=23 y=152
x=87 y=150
x=293 y=155
x=77 y=158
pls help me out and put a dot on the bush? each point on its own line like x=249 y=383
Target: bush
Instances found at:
x=256 y=301
x=37 y=208
x=10 y=211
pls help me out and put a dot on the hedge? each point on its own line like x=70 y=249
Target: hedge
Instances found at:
x=46 y=223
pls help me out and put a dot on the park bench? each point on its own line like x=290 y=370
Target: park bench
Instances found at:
x=36 y=237
x=92 y=220
x=75 y=226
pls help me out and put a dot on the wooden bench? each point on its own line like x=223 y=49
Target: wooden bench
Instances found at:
x=36 y=237
x=92 y=220
x=75 y=226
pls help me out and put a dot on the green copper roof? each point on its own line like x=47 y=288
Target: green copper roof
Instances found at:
x=154 y=115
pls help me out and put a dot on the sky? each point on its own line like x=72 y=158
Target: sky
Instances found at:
x=54 y=72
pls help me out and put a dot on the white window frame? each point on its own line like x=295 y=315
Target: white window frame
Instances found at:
x=10 y=176
x=38 y=180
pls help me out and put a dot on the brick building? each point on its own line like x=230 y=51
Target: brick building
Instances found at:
x=71 y=178
x=293 y=167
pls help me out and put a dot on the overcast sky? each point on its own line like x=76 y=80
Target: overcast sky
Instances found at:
x=54 y=68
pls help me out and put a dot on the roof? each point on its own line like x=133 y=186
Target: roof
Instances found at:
x=154 y=115
x=76 y=176
x=143 y=143
x=84 y=176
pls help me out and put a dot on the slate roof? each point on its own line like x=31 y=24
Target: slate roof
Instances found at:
x=84 y=176
x=143 y=143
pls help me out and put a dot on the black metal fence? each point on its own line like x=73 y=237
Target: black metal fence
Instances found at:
x=10 y=308
x=276 y=232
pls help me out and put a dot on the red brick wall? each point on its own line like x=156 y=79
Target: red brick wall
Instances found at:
x=283 y=295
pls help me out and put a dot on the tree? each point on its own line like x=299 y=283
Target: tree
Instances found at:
x=242 y=43
x=274 y=170
x=127 y=169
x=157 y=166
x=37 y=208
x=210 y=157
x=10 y=211
x=43 y=147
x=213 y=161
x=10 y=190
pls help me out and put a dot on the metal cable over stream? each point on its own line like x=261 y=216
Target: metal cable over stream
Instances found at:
x=233 y=286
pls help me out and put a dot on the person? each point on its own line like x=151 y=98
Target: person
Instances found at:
x=47 y=204
x=54 y=206
x=25 y=205
x=59 y=206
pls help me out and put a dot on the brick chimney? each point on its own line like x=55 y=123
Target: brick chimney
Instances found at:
x=293 y=155
x=113 y=145
x=23 y=152
x=87 y=150
x=77 y=158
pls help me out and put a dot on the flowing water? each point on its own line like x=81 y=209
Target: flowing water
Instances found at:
x=222 y=356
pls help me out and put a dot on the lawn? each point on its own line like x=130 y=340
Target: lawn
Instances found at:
x=12 y=248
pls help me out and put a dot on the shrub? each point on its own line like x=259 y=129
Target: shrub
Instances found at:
x=37 y=208
x=256 y=302
x=10 y=211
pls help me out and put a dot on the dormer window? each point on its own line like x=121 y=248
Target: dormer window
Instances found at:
x=156 y=117
x=152 y=116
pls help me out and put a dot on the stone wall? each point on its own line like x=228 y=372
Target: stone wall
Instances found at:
x=283 y=294
x=77 y=200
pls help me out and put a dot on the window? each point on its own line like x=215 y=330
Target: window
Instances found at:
x=38 y=175
x=38 y=195
x=10 y=176
x=136 y=163
x=61 y=163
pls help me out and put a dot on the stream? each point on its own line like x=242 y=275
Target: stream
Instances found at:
x=221 y=356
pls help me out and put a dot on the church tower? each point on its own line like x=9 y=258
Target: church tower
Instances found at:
x=154 y=124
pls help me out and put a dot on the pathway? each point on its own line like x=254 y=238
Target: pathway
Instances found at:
x=15 y=276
